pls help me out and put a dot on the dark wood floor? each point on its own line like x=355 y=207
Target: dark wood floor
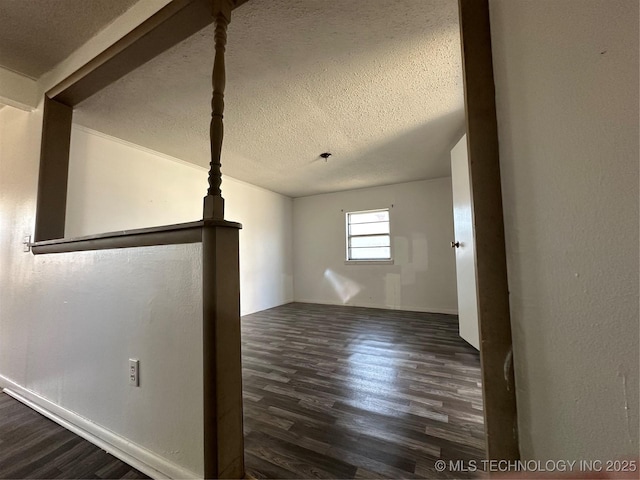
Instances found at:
x=330 y=392
x=32 y=446
x=345 y=392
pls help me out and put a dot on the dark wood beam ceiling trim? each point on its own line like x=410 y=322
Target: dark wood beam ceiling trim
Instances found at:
x=169 y=26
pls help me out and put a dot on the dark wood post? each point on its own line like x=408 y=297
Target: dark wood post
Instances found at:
x=501 y=420
x=223 y=435
x=54 y=170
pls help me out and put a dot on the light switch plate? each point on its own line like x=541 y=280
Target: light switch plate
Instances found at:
x=26 y=243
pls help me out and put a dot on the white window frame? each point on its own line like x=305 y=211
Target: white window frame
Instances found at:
x=385 y=261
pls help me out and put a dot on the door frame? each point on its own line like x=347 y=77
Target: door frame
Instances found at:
x=498 y=382
x=182 y=18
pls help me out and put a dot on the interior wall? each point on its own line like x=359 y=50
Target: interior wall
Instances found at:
x=422 y=276
x=69 y=322
x=116 y=185
x=266 y=244
x=17 y=90
x=566 y=77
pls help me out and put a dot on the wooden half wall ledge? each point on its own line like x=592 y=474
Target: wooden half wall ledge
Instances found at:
x=175 y=234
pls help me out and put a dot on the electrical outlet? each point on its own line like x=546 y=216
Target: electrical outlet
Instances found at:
x=134 y=372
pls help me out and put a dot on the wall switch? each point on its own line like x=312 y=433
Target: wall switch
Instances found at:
x=134 y=372
x=26 y=243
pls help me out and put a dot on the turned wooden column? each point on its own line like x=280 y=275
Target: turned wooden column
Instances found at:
x=223 y=436
x=213 y=202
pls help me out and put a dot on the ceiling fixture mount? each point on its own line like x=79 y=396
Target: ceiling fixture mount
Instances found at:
x=325 y=155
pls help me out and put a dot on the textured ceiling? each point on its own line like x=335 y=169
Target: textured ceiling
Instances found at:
x=376 y=83
x=35 y=35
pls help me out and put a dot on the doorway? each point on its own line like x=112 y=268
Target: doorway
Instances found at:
x=495 y=334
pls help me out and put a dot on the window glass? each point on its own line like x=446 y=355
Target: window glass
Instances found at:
x=368 y=235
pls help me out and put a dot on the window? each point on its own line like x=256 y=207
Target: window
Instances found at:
x=368 y=235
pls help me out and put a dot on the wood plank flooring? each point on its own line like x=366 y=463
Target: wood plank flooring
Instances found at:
x=346 y=392
x=32 y=446
x=329 y=392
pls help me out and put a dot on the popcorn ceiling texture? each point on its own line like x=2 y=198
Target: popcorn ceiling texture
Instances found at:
x=377 y=84
x=37 y=35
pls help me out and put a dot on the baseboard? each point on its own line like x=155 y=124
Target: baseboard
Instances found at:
x=444 y=311
x=250 y=312
x=120 y=447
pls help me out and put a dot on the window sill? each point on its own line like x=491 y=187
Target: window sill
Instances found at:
x=368 y=262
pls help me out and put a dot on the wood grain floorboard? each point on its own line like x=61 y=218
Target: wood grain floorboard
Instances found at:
x=329 y=392
x=348 y=392
x=32 y=446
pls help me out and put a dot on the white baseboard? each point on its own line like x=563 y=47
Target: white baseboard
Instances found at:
x=445 y=311
x=120 y=447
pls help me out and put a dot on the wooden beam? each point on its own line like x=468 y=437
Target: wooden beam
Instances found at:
x=223 y=435
x=169 y=26
x=51 y=205
x=493 y=292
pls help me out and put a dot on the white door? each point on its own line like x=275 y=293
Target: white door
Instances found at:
x=464 y=245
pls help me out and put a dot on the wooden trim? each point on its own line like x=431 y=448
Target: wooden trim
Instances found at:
x=222 y=367
x=164 y=235
x=140 y=458
x=169 y=26
x=51 y=204
x=498 y=383
x=213 y=204
x=140 y=237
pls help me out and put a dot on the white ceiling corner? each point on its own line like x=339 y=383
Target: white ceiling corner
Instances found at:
x=35 y=35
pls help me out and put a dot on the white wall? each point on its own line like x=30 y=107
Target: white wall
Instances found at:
x=422 y=276
x=69 y=322
x=566 y=78
x=266 y=244
x=115 y=185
